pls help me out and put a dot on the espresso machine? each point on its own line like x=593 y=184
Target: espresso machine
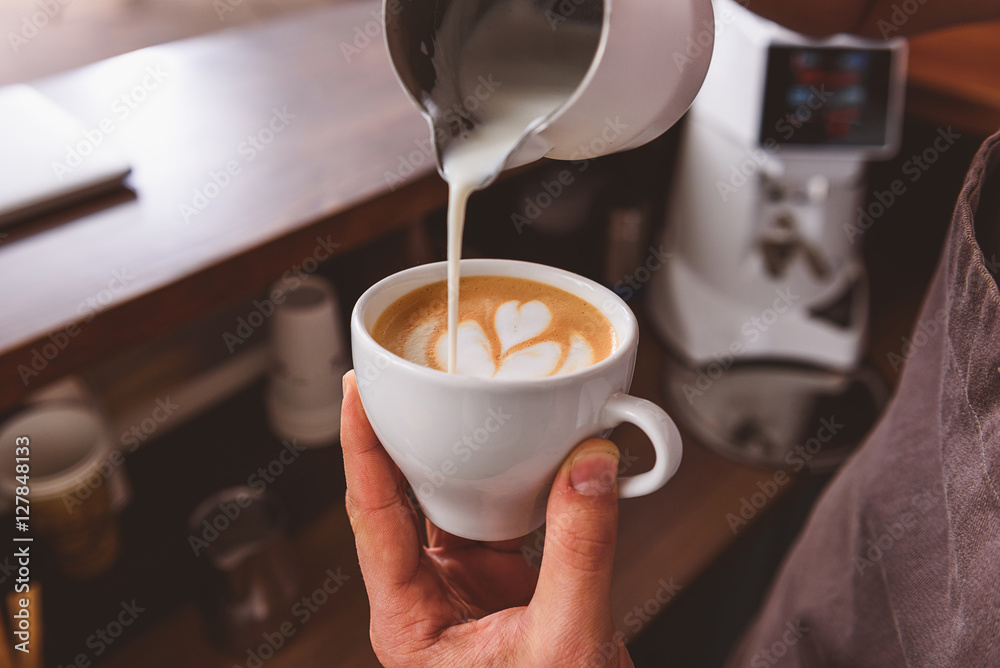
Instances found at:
x=763 y=305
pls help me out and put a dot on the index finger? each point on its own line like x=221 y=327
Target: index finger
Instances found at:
x=382 y=518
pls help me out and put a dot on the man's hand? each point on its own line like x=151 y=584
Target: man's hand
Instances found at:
x=463 y=603
x=824 y=17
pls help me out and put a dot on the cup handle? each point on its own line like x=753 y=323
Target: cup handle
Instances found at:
x=660 y=429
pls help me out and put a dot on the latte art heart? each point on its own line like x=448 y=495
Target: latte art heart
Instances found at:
x=516 y=323
x=524 y=351
x=508 y=328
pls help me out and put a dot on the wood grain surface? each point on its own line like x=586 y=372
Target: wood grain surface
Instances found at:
x=312 y=136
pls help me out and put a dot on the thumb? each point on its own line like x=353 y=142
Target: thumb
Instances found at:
x=574 y=583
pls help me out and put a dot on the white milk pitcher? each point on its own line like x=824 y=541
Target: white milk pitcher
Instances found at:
x=583 y=78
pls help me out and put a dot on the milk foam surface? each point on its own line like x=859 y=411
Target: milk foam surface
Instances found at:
x=501 y=335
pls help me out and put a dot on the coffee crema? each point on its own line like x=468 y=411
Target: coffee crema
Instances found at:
x=508 y=328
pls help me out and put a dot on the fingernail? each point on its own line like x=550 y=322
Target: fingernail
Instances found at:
x=594 y=472
x=343 y=382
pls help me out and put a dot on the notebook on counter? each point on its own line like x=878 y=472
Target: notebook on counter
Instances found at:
x=48 y=158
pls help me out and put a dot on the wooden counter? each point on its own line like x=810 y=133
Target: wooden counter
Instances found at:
x=312 y=136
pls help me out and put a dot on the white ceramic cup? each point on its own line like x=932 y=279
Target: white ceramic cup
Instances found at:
x=481 y=454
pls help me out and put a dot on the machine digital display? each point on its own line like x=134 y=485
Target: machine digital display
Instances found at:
x=825 y=96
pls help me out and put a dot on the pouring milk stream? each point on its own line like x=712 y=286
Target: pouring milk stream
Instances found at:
x=551 y=66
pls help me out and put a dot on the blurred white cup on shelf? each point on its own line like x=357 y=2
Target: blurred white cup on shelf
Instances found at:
x=308 y=359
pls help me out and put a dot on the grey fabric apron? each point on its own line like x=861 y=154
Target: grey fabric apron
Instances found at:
x=899 y=564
